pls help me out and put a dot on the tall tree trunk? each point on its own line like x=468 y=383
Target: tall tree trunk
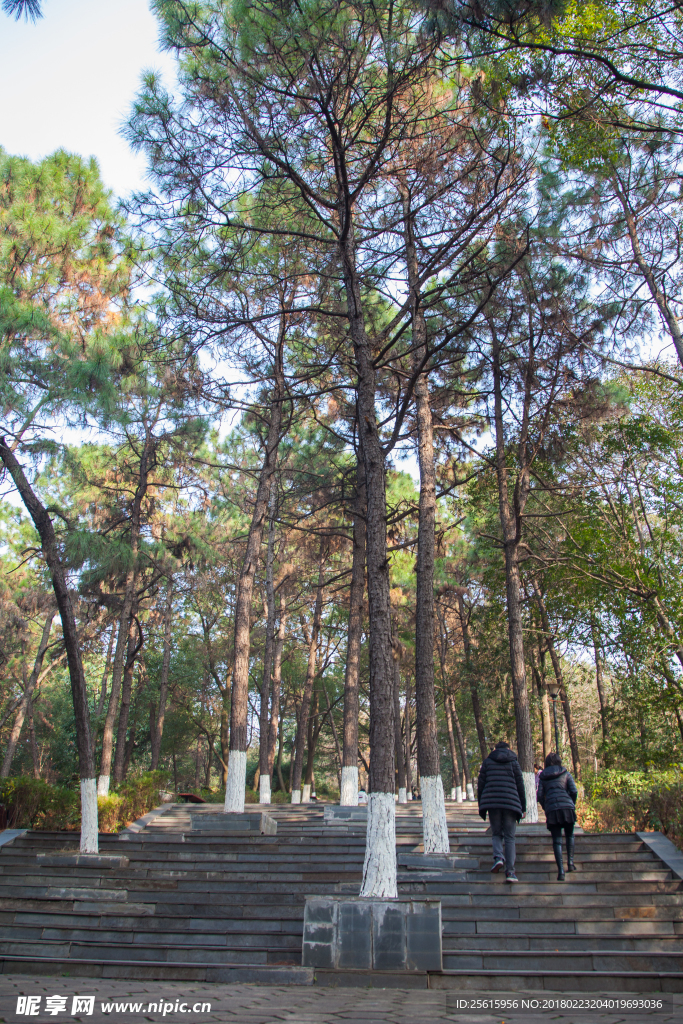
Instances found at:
x=434 y=825
x=274 y=728
x=467 y=778
x=474 y=688
x=349 y=777
x=264 y=711
x=237 y=766
x=456 y=788
x=599 y=682
x=334 y=732
x=400 y=759
x=158 y=730
x=35 y=756
x=557 y=669
x=27 y=697
x=302 y=726
x=126 y=695
x=539 y=679
x=510 y=521
x=312 y=734
x=408 y=743
x=278 y=762
x=379 y=867
x=103 y=686
x=147 y=463
x=79 y=692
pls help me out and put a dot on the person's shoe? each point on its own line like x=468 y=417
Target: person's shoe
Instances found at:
x=497 y=865
x=510 y=876
x=570 y=854
x=557 y=850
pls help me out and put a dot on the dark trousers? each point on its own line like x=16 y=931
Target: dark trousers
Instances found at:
x=556 y=831
x=503 y=828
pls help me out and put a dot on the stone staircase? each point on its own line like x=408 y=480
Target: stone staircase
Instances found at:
x=207 y=905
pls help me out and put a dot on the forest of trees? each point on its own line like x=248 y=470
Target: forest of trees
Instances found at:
x=326 y=454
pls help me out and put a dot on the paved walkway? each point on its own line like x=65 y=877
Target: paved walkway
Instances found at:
x=251 y=1004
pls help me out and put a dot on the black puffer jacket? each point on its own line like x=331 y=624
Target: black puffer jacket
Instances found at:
x=500 y=783
x=556 y=789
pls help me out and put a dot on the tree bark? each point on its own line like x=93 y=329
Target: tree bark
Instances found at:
x=26 y=701
x=379 y=868
x=434 y=825
x=546 y=728
x=35 y=756
x=126 y=695
x=158 y=730
x=349 y=785
x=103 y=687
x=557 y=669
x=312 y=734
x=511 y=525
x=456 y=788
x=400 y=759
x=334 y=732
x=599 y=682
x=467 y=777
x=147 y=462
x=474 y=688
x=408 y=743
x=277 y=685
x=237 y=766
x=79 y=692
x=304 y=711
x=264 y=711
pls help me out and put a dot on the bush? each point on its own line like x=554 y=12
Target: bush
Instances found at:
x=626 y=804
x=32 y=803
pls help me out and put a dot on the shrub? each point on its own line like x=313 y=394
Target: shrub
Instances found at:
x=32 y=803
x=625 y=804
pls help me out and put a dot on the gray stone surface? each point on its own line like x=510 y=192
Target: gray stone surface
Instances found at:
x=240 y=1003
x=665 y=850
x=8 y=835
x=259 y=822
x=137 y=826
x=349 y=933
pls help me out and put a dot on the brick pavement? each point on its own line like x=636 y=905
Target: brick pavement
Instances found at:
x=252 y=1004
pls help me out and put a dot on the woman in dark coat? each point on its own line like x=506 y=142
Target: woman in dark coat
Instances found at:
x=500 y=791
x=557 y=795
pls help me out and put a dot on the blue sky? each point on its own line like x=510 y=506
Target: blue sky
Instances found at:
x=70 y=79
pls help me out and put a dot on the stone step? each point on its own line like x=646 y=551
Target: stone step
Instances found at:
x=556 y=981
x=559 y=943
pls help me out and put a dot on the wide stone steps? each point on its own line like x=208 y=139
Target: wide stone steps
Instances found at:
x=220 y=905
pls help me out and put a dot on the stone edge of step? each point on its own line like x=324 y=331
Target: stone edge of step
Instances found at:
x=140 y=823
x=665 y=850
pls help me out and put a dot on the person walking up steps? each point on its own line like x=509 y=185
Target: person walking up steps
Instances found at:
x=557 y=795
x=500 y=791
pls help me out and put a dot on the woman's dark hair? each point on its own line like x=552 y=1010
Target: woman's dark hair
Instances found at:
x=552 y=760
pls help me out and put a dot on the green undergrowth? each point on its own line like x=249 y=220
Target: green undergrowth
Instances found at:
x=618 y=801
x=35 y=804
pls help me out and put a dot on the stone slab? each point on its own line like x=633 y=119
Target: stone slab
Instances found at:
x=102 y=861
x=137 y=826
x=665 y=850
x=335 y=815
x=221 y=821
x=8 y=835
x=350 y=933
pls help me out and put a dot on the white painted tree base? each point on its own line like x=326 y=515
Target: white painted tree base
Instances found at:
x=434 y=825
x=402 y=795
x=531 y=804
x=237 y=782
x=264 y=789
x=410 y=796
x=103 y=785
x=379 y=869
x=306 y=795
x=296 y=796
x=470 y=791
x=89 y=830
x=349 y=787
x=458 y=794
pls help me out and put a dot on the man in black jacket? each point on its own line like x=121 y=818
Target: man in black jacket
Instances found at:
x=500 y=791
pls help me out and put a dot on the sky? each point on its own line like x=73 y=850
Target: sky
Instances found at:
x=69 y=81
